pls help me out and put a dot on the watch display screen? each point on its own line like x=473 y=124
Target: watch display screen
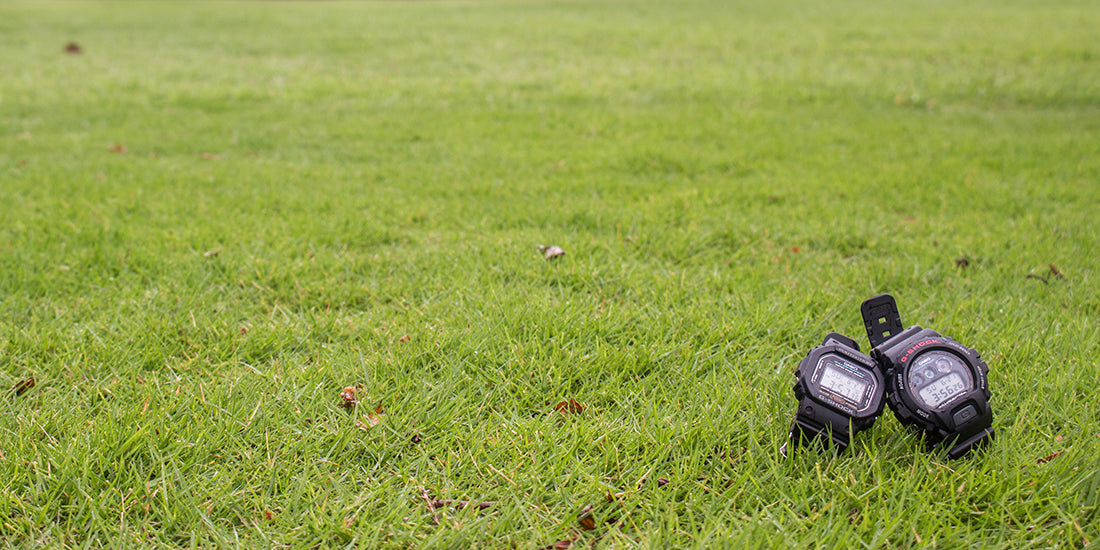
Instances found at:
x=843 y=382
x=937 y=376
x=835 y=380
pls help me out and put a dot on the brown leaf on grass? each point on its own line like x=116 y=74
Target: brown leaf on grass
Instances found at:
x=23 y=385
x=268 y=515
x=368 y=421
x=585 y=518
x=551 y=251
x=371 y=419
x=569 y=407
x=117 y=148
x=560 y=545
x=1057 y=272
x=853 y=515
x=1049 y=457
x=73 y=48
x=347 y=398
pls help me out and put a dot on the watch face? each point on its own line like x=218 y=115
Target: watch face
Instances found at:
x=937 y=376
x=843 y=382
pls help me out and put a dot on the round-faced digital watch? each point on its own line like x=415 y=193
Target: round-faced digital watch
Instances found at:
x=932 y=382
x=839 y=392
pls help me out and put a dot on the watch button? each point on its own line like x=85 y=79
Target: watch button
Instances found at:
x=964 y=414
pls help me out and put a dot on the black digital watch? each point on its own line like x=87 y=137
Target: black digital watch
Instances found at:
x=932 y=381
x=839 y=392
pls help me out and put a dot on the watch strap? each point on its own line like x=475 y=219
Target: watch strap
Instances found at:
x=880 y=318
x=964 y=446
x=804 y=430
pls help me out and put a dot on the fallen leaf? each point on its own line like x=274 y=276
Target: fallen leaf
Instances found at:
x=73 y=48
x=962 y=262
x=560 y=545
x=551 y=251
x=23 y=385
x=372 y=419
x=347 y=398
x=269 y=515
x=117 y=148
x=369 y=421
x=585 y=518
x=569 y=407
x=1056 y=272
x=1049 y=457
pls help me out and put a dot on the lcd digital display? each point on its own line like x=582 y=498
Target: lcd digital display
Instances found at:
x=937 y=376
x=836 y=381
x=941 y=390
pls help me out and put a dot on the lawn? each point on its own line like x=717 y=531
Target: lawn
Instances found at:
x=216 y=216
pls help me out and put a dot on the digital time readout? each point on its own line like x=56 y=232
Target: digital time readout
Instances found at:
x=836 y=381
x=943 y=389
x=938 y=376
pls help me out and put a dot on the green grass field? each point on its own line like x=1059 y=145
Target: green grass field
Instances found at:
x=218 y=215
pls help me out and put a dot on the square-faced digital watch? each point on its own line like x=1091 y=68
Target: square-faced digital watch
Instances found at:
x=839 y=392
x=932 y=382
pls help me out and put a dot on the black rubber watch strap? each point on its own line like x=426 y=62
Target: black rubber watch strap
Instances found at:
x=804 y=430
x=880 y=318
x=962 y=446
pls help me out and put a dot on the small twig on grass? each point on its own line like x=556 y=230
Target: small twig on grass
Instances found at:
x=431 y=505
x=1037 y=277
x=462 y=504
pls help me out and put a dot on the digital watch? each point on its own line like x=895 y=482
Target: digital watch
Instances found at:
x=839 y=392
x=932 y=381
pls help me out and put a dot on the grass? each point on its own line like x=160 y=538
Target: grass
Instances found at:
x=218 y=215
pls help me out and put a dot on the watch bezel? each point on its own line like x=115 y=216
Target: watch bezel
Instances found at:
x=813 y=388
x=899 y=384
